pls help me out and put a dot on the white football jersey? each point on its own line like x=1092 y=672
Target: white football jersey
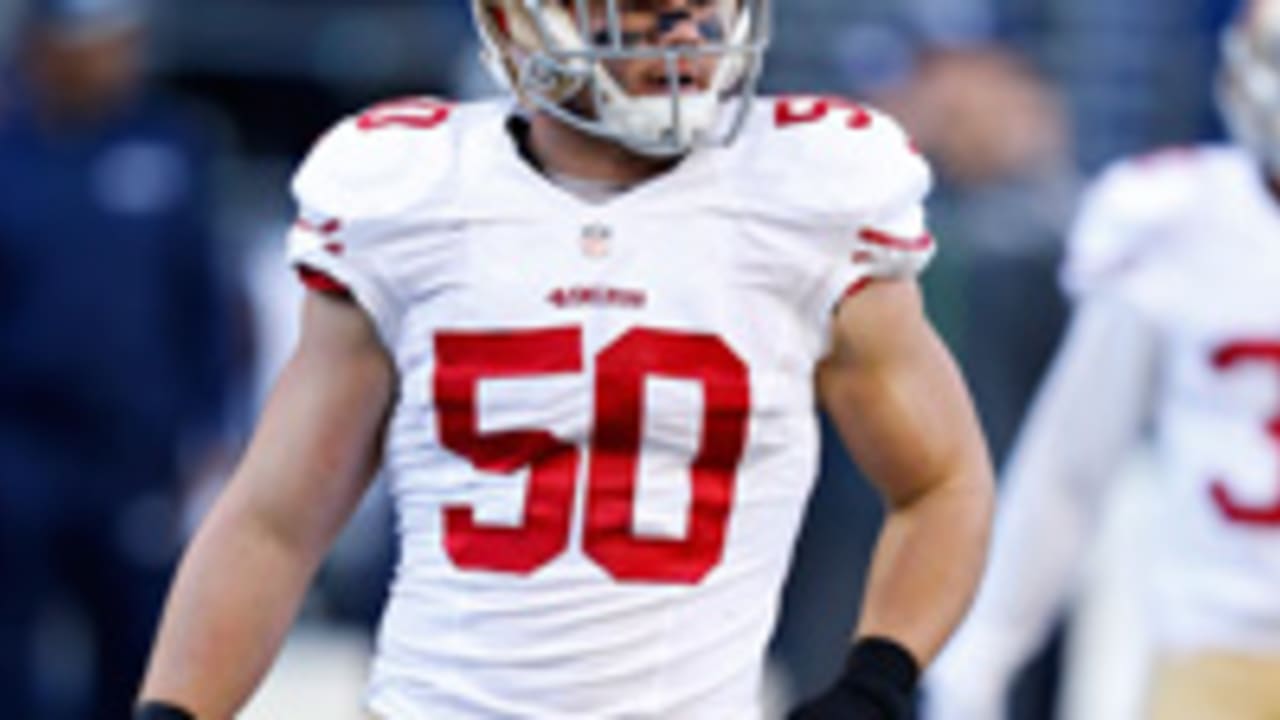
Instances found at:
x=605 y=431
x=1190 y=239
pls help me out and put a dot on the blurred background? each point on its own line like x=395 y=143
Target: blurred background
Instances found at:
x=144 y=313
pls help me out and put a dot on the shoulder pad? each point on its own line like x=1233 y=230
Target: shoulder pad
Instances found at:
x=846 y=183
x=1127 y=212
x=378 y=162
x=834 y=160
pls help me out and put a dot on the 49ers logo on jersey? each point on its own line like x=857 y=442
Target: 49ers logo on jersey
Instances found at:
x=598 y=296
x=465 y=359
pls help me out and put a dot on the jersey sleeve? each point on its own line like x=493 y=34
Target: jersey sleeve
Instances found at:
x=887 y=238
x=860 y=184
x=352 y=192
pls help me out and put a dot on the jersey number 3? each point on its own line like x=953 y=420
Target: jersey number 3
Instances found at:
x=464 y=359
x=1227 y=358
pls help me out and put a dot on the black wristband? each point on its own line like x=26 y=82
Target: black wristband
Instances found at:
x=882 y=670
x=157 y=710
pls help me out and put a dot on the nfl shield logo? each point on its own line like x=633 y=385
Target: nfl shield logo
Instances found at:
x=595 y=240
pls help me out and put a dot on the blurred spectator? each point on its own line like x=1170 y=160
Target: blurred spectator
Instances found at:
x=113 y=340
x=981 y=114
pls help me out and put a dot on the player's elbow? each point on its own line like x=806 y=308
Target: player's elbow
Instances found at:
x=962 y=495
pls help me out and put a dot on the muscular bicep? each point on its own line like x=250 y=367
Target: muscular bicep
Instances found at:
x=317 y=443
x=895 y=394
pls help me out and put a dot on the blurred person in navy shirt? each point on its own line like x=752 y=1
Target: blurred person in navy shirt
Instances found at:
x=113 y=354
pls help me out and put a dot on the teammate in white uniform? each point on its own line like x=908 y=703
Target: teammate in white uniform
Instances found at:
x=590 y=330
x=1175 y=269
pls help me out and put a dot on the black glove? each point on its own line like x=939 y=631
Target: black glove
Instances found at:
x=878 y=683
x=156 y=710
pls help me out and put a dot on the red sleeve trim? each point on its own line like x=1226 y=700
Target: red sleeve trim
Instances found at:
x=883 y=239
x=855 y=288
x=322 y=283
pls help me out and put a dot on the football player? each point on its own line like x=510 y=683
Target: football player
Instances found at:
x=586 y=333
x=1175 y=270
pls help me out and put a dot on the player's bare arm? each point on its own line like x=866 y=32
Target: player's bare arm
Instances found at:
x=248 y=567
x=898 y=402
x=901 y=408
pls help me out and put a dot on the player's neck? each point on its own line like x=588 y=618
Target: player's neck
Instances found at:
x=561 y=150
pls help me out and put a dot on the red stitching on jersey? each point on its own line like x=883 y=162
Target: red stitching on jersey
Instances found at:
x=883 y=239
x=322 y=282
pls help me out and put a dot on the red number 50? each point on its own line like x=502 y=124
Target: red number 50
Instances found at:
x=464 y=359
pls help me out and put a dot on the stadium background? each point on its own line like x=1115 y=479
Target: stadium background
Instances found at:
x=270 y=75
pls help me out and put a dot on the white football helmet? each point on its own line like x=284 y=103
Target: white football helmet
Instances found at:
x=554 y=55
x=1249 y=85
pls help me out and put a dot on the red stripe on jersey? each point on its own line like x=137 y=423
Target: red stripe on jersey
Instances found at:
x=321 y=282
x=883 y=239
x=855 y=288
